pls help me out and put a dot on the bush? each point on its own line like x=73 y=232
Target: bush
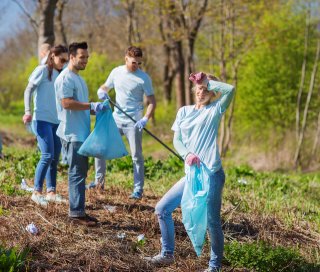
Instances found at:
x=263 y=257
x=12 y=259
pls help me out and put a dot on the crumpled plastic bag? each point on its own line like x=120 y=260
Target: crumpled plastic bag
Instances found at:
x=105 y=141
x=194 y=205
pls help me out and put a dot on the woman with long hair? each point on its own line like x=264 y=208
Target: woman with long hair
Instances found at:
x=45 y=123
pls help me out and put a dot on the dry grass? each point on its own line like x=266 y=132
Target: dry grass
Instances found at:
x=63 y=246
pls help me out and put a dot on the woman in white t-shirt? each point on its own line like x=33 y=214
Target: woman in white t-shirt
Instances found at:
x=44 y=123
x=195 y=139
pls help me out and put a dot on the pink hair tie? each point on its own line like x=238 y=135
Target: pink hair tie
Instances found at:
x=197 y=78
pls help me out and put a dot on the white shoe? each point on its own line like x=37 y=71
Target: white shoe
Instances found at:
x=40 y=200
x=160 y=259
x=56 y=198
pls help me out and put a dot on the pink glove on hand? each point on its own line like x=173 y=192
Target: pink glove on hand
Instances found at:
x=27 y=118
x=199 y=78
x=192 y=159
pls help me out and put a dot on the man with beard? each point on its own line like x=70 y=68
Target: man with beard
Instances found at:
x=74 y=127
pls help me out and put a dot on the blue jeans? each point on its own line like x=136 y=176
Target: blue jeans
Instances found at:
x=50 y=146
x=134 y=137
x=172 y=199
x=77 y=173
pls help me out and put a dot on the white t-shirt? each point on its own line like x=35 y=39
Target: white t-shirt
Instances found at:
x=129 y=88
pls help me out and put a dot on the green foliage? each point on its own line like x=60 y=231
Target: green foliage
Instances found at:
x=97 y=72
x=269 y=79
x=12 y=259
x=14 y=81
x=153 y=169
x=16 y=166
x=265 y=258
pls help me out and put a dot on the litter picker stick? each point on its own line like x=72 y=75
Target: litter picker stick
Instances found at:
x=146 y=130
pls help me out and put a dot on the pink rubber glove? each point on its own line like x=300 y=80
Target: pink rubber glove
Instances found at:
x=27 y=118
x=199 y=78
x=192 y=159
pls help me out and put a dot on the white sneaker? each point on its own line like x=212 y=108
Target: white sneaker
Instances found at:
x=160 y=259
x=40 y=200
x=56 y=198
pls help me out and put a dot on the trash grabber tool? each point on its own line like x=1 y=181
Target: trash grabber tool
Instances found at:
x=146 y=130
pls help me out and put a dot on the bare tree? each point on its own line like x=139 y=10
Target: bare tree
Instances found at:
x=61 y=36
x=169 y=71
x=303 y=72
x=192 y=26
x=33 y=22
x=316 y=139
x=46 y=25
x=306 y=108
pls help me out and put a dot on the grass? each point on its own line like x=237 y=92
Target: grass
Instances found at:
x=270 y=213
x=271 y=220
x=12 y=259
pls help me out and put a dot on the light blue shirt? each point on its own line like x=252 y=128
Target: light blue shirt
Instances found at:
x=44 y=100
x=74 y=124
x=199 y=127
x=129 y=88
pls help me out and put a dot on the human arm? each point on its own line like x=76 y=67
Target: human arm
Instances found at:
x=70 y=104
x=189 y=157
x=151 y=101
x=226 y=90
x=27 y=117
x=178 y=144
x=35 y=80
x=103 y=92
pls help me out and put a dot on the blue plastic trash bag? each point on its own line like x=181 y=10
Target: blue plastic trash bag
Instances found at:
x=105 y=141
x=194 y=205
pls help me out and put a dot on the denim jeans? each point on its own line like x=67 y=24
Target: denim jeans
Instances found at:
x=172 y=199
x=77 y=173
x=50 y=146
x=134 y=137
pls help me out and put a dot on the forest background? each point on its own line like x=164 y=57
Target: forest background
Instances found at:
x=268 y=49
x=269 y=137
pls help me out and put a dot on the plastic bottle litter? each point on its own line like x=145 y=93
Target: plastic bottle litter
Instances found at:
x=25 y=187
x=121 y=235
x=31 y=228
x=141 y=237
x=242 y=181
x=110 y=208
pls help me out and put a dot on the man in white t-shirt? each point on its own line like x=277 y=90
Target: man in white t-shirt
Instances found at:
x=130 y=84
x=73 y=108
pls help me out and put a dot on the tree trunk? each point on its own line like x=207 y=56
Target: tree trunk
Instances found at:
x=180 y=68
x=316 y=139
x=306 y=108
x=193 y=30
x=229 y=118
x=303 y=73
x=60 y=33
x=130 y=10
x=46 y=25
x=223 y=72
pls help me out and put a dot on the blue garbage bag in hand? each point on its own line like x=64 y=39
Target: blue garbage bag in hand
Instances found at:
x=105 y=141
x=194 y=205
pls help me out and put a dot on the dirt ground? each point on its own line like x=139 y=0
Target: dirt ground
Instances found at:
x=63 y=246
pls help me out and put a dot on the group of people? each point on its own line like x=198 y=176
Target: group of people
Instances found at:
x=61 y=119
